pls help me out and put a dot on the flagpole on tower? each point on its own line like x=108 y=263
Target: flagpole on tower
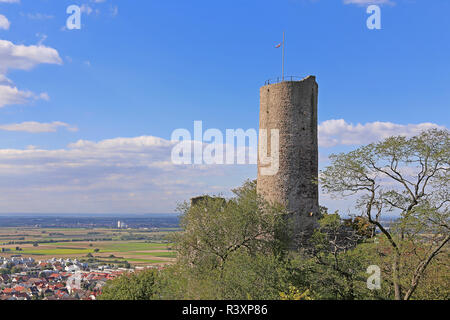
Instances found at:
x=282 y=62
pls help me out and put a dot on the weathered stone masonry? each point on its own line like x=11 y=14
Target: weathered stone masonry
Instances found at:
x=291 y=107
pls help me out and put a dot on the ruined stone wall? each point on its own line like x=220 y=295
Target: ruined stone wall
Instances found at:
x=291 y=107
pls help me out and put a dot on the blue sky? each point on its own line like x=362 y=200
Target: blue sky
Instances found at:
x=145 y=68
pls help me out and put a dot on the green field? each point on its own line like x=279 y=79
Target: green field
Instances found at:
x=83 y=243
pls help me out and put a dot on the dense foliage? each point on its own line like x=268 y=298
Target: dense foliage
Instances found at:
x=138 y=286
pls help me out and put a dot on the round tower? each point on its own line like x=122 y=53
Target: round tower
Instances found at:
x=291 y=107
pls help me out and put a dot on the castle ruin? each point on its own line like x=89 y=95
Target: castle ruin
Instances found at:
x=291 y=107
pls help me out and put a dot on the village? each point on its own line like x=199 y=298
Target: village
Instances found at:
x=24 y=278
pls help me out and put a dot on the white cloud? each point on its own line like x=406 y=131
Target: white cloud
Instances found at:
x=116 y=144
x=10 y=95
x=4 y=22
x=9 y=1
x=44 y=96
x=37 y=127
x=340 y=132
x=4 y=80
x=86 y=9
x=39 y=16
x=22 y=57
x=89 y=176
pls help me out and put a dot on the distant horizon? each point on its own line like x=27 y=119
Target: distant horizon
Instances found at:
x=90 y=215
x=127 y=215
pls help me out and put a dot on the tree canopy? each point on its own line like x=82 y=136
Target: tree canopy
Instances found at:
x=409 y=177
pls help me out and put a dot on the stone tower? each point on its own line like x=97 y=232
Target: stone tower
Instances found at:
x=291 y=107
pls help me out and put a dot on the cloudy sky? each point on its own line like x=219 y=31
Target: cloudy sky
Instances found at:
x=86 y=115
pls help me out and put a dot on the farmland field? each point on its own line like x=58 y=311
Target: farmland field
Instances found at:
x=135 y=246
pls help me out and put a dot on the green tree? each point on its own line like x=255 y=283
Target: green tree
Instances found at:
x=230 y=249
x=333 y=263
x=132 y=286
x=406 y=176
x=244 y=276
x=214 y=228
